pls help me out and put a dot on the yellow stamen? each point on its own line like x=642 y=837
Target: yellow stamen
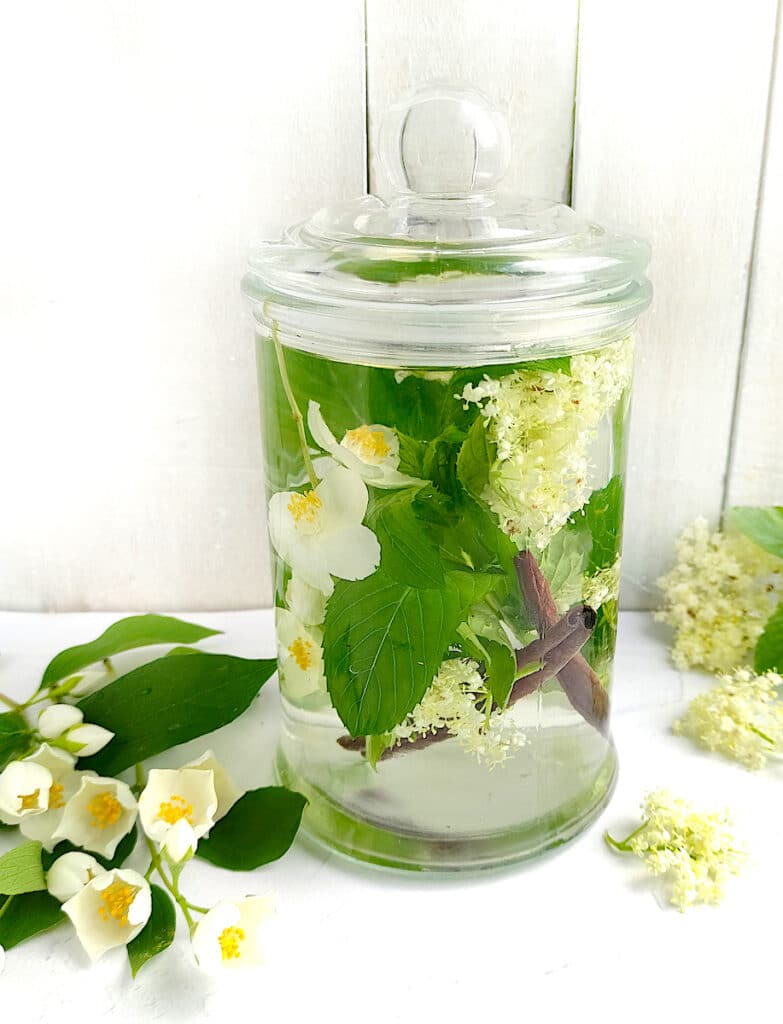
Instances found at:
x=105 y=810
x=116 y=902
x=304 y=506
x=229 y=940
x=302 y=652
x=30 y=801
x=369 y=445
x=56 y=800
x=175 y=810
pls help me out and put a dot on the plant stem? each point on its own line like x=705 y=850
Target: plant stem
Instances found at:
x=763 y=735
x=9 y=702
x=6 y=905
x=623 y=844
x=295 y=412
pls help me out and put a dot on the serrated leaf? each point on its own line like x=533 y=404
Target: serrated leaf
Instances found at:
x=125 y=635
x=15 y=738
x=563 y=563
x=170 y=701
x=769 y=649
x=28 y=915
x=21 y=870
x=258 y=829
x=407 y=552
x=124 y=849
x=384 y=642
x=158 y=933
x=475 y=457
x=602 y=518
x=764 y=526
x=501 y=668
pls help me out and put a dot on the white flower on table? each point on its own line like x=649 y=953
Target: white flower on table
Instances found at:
x=371 y=450
x=227 y=936
x=177 y=808
x=24 y=791
x=70 y=873
x=65 y=783
x=320 y=533
x=99 y=815
x=226 y=791
x=110 y=910
x=63 y=725
x=300 y=655
x=305 y=602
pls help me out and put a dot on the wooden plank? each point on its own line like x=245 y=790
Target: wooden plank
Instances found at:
x=145 y=146
x=669 y=137
x=521 y=53
x=756 y=468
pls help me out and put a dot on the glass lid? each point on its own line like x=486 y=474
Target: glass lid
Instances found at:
x=449 y=250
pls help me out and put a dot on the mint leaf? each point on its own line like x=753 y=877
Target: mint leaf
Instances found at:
x=125 y=635
x=158 y=933
x=407 y=553
x=21 y=870
x=769 y=649
x=384 y=642
x=602 y=517
x=28 y=915
x=258 y=829
x=764 y=526
x=563 y=563
x=475 y=457
x=170 y=701
x=15 y=738
x=124 y=849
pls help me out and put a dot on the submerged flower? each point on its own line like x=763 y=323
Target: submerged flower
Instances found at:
x=65 y=783
x=70 y=873
x=110 y=910
x=603 y=586
x=371 y=450
x=456 y=702
x=227 y=936
x=300 y=656
x=305 y=602
x=542 y=424
x=24 y=791
x=696 y=852
x=226 y=792
x=63 y=725
x=741 y=718
x=320 y=533
x=718 y=597
x=177 y=808
x=100 y=814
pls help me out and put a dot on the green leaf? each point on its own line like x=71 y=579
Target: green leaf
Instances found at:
x=170 y=701
x=21 y=870
x=769 y=649
x=407 y=552
x=411 y=456
x=599 y=649
x=124 y=849
x=28 y=915
x=440 y=460
x=475 y=457
x=602 y=518
x=377 y=746
x=258 y=829
x=501 y=668
x=563 y=563
x=125 y=635
x=764 y=526
x=384 y=642
x=158 y=933
x=15 y=738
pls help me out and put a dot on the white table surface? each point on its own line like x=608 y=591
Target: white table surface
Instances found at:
x=580 y=935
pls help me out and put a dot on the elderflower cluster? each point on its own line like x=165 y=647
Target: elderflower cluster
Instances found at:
x=696 y=852
x=543 y=423
x=455 y=702
x=602 y=586
x=741 y=718
x=718 y=597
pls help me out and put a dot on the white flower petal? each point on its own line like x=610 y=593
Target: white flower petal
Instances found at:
x=226 y=791
x=70 y=873
x=392 y=479
x=110 y=911
x=307 y=603
x=24 y=790
x=90 y=681
x=173 y=794
x=227 y=936
x=57 y=719
x=300 y=655
x=352 y=553
x=88 y=739
x=322 y=435
x=343 y=497
x=180 y=841
x=100 y=814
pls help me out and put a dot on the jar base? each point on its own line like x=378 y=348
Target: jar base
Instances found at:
x=331 y=826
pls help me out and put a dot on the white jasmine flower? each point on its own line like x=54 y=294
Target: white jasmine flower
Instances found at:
x=99 y=815
x=174 y=795
x=57 y=719
x=86 y=740
x=741 y=718
x=320 y=533
x=305 y=602
x=65 y=783
x=24 y=791
x=300 y=656
x=371 y=450
x=70 y=873
x=110 y=911
x=226 y=791
x=227 y=936
x=62 y=723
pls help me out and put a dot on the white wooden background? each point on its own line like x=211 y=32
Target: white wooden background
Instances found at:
x=145 y=144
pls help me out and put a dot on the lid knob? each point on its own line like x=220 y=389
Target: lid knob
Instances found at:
x=443 y=142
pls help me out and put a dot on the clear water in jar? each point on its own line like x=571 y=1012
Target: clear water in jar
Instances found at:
x=446 y=552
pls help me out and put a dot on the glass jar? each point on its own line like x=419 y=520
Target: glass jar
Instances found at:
x=444 y=382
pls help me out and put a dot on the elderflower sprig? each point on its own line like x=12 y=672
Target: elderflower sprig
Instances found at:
x=741 y=718
x=695 y=853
